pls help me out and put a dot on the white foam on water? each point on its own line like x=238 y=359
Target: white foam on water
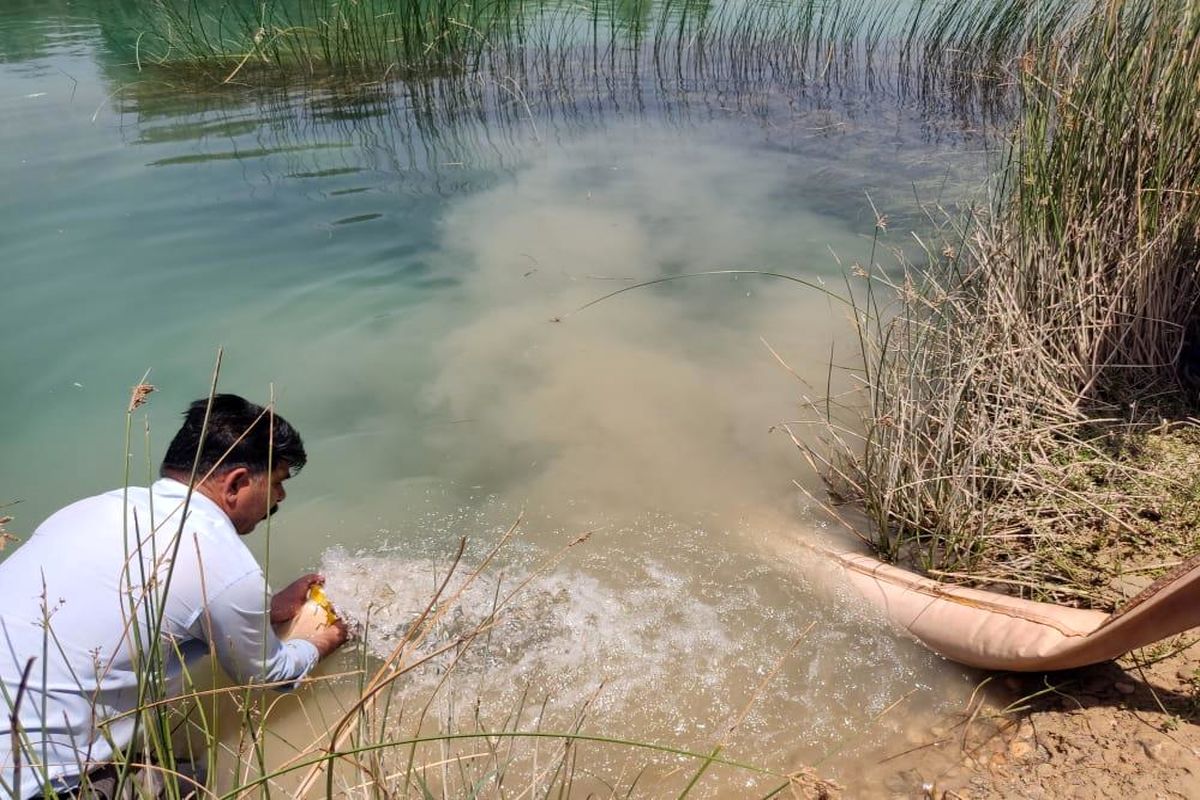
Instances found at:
x=669 y=642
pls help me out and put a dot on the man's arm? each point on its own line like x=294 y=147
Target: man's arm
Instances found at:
x=317 y=630
x=288 y=601
x=237 y=624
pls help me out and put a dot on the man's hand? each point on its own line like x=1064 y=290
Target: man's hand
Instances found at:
x=313 y=626
x=286 y=603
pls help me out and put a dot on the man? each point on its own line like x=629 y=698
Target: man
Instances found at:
x=114 y=598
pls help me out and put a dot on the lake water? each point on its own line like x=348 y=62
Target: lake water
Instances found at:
x=387 y=263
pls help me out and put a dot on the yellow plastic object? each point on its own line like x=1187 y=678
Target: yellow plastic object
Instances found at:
x=316 y=594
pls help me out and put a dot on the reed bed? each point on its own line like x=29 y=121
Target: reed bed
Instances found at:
x=1030 y=384
x=935 y=50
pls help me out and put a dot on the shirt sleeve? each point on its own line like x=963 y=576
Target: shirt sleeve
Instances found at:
x=237 y=624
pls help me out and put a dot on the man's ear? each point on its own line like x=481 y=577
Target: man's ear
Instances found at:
x=233 y=481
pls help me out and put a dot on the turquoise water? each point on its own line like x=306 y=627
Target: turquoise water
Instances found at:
x=386 y=263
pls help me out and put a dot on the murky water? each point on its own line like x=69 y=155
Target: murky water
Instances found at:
x=410 y=285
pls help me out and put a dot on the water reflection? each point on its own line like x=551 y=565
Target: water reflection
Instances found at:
x=420 y=139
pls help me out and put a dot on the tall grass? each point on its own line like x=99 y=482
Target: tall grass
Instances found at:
x=908 y=45
x=1006 y=374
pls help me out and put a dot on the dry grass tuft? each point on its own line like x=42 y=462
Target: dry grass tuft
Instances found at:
x=1017 y=381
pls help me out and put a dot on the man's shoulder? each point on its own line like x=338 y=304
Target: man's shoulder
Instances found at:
x=147 y=506
x=162 y=512
x=94 y=508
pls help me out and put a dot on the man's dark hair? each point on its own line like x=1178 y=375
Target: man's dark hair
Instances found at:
x=239 y=435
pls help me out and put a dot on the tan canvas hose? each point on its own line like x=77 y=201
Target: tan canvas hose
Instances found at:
x=994 y=631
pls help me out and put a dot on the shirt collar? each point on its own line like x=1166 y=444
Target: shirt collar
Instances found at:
x=176 y=492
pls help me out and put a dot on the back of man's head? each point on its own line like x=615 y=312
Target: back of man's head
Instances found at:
x=238 y=434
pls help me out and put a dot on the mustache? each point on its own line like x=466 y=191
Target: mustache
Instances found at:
x=271 y=511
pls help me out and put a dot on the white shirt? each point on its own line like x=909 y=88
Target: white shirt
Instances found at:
x=72 y=571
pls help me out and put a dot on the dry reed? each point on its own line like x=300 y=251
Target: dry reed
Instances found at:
x=1010 y=378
